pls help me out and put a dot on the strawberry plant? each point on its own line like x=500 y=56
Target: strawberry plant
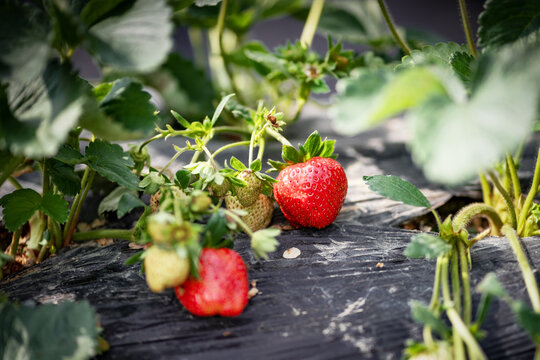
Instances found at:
x=451 y=247
x=469 y=111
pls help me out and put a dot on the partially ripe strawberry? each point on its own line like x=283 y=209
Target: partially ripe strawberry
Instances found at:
x=311 y=186
x=248 y=194
x=259 y=213
x=222 y=288
x=164 y=268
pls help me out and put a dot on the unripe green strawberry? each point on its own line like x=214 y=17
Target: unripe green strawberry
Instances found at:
x=200 y=201
x=250 y=193
x=220 y=190
x=259 y=213
x=164 y=268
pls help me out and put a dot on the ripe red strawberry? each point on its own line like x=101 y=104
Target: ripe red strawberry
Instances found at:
x=312 y=186
x=222 y=288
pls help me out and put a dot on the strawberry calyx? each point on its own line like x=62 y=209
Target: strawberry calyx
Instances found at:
x=237 y=167
x=314 y=146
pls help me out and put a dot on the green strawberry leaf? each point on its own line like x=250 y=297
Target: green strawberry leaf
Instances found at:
x=445 y=132
x=38 y=115
x=505 y=21
x=182 y=178
x=19 y=206
x=369 y=97
x=527 y=318
x=220 y=108
x=183 y=86
x=216 y=230
x=264 y=241
x=129 y=201
x=69 y=155
x=290 y=155
x=276 y=166
x=126 y=112
x=143 y=48
x=237 y=164
x=110 y=161
x=440 y=54
x=135 y=258
x=122 y=200
x=180 y=119
x=394 y=188
x=55 y=206
x=462 y=64
x=311 y=146
x=490 y=285
x=256 y=165
x=427 y=246
x=24 y=41
x=96 y=10
x=421 y=314
x=194 y=249
x=64 y=177
x=27 y=329
x=152 y=182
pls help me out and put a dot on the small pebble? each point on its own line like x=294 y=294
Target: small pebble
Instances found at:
x=291 y=253
x=380 y=265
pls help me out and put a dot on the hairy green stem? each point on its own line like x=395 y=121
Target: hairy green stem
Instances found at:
x=16 y=184
x=73 y=224
x=466 y=283
x=456 y=285
x=459 y=326
x=507 y=199
x=434 y=302
x=76 y=201
x=301 y=102
x=312 y=21
x=486 y=189
x=262 y=146
x=210 y=158
x=15 y=243
x=103 y=234
x=437 y=218
x=226 y=64
x=530 y=196
x=231 y=145
x=10 y=167
x=178 y=153
x=459 y=352
x=467 y=27
x=526 y=270
x=56 y=233
x=158 y=136
x=462 y=218
x=232 y=129
x=239 y=221
x=278 y=137
x=511 y=166
x=392 y=28
x=42 y=253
